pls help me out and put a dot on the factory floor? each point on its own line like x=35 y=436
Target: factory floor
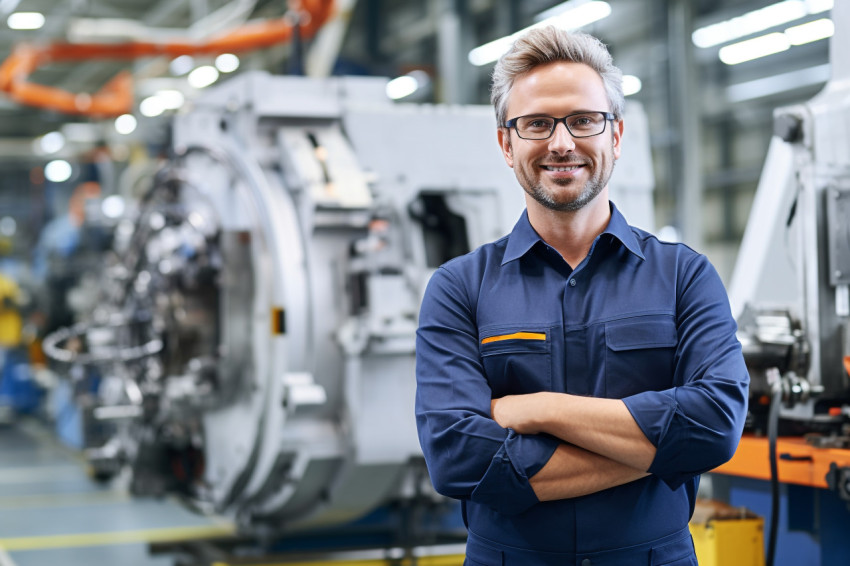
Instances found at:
x=52 y=512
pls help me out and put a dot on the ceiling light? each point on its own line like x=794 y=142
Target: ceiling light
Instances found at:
x=181 y=65
x=58 y=171
x=227 y=62
x=52 y=142
x=402 y=86
x=778 y=83
x=113 y=206
x=757 y=21
x=754 y=48
x=151 y=107
x=812 y=31
x=203 y=76
x=171 y=99
x=818 y=6
x=490 y=52
x=406 y=85
x=25 y=20
x=577 y=15
x=569 y=16
x=126 y=124
x=631 y=85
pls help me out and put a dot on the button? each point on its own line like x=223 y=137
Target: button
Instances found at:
x=573 y=284
x=586 y=561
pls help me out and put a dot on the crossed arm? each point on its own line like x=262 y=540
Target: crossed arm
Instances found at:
x=602 y=444
x=586 y=444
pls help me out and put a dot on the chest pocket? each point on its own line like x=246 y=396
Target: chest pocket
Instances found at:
x=517 y=360
x=640 y=355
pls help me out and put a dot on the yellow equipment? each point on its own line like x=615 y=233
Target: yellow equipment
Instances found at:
x=725 y=535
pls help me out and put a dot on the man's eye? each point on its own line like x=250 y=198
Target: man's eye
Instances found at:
x=538 y=124
x=581 y=121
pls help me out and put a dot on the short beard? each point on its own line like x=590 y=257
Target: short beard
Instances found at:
x=591 y=191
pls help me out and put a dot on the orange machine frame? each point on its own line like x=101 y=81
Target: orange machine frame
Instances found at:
x=798 y=462
x=116 y=97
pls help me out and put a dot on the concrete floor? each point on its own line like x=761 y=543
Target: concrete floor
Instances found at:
x=52 y=513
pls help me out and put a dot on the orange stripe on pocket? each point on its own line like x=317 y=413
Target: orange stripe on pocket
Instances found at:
x=516 y=336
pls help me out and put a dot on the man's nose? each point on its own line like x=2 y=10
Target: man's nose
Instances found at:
x=561 y=141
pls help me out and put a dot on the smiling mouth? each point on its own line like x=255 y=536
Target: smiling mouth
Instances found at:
x=561 y=168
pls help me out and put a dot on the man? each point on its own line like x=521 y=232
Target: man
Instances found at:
x=576 y=376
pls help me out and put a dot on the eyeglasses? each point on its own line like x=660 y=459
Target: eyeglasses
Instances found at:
x=579 y=125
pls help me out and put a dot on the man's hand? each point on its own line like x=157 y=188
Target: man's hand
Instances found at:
x=519 y=412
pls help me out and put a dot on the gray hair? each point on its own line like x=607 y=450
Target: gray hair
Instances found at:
x=548 y=45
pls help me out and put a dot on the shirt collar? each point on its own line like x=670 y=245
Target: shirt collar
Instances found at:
x=620 y=229
x=523 y=237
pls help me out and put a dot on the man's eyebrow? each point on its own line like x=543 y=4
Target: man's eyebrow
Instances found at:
x=579 y=111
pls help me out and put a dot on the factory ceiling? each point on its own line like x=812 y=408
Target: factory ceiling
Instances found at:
x=376 y=37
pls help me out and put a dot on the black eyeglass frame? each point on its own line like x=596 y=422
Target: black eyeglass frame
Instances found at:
x=609 y=117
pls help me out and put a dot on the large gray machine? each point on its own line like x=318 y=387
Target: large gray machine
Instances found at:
x=255 y=335
x=790 y=284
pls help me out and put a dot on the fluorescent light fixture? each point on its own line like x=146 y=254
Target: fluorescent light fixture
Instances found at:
x=631 y=85
x=126 y=124
x=58 y=171
x=181 y=65
x=151 y=107
x=777 y=42
x=818 y=6
x=406 y=85
x=203 y=76
x=402 y=86
x=569 y=15
x=754 y=48
x=171 y=99
x=52 y=142
x=775 y=84
x=227 y=62
x=113 y=206
x=25 y=20
x=812 y=31
x=757 y=21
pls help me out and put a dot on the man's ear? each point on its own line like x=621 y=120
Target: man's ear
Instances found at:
x=504 y=135
x=617 y=127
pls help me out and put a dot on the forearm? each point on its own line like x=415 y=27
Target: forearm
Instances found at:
x=602 y=426
x=573 y=472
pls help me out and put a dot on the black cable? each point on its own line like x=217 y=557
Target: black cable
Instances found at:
x=772 y=433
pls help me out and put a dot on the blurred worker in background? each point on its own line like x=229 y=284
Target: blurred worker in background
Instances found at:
x=576 y=376
x=59 y=257
x=69 y=253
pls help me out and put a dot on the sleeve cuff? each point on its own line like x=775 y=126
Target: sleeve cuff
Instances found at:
x=653 y=412
x=505 y=486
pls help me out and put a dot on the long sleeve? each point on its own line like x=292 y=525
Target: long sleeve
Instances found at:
x=469 y=455
x=696 y=425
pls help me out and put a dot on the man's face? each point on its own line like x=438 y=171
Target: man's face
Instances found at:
x=561 y=173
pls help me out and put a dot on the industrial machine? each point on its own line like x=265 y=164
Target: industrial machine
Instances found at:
x=253 y=343
x=790 y=285
x=791 y=295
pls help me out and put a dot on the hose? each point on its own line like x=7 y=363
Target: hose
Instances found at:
x=772 y=432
